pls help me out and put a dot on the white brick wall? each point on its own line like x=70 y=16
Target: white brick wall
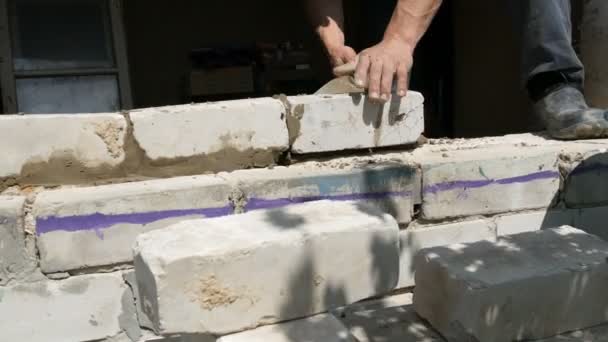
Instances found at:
x=83 y=308
x=14 y=257
x=252 y=126
x=60 y=148
x=388 y=186
x=96 y=226
x=532 y=221
x=323 y=123
x=487 y=181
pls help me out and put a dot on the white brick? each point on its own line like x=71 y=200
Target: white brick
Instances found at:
x=523 y=287
x=323 y=123
x=487 y=181
x=81 y=308
x=325 y=328
x=224 y=275
x=593 y=221
x=55 y=148
x=223 y=132
x=96 y=226
x=14 y=257
x=532 y=221
x=412 y=240
x=389 y=187
x=585 y=184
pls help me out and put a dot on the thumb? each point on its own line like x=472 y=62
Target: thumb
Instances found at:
x=346 y=69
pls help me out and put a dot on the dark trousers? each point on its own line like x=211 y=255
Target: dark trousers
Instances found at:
x=545 y=29
x=543 y=26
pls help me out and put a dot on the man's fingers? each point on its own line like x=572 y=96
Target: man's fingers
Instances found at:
x=386 y=85
x=346 y=69
x=362 y=71
x=402 y=78
x=374 y=79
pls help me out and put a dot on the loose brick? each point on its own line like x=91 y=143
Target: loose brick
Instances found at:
x=388 y=187
x=83 y=308
x=585 y=182
x=536 y=220
x=323 y=123
x=95 y=226
x=413 y=239
x=525 y=286
x=227 y=135
x=213 y=276
x=61 y=148
x=15 y=260
x=487 y=181
x=593 y=221
x=324 y=328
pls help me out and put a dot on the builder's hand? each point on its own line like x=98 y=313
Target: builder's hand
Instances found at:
x=379 y=65
x=340 y=54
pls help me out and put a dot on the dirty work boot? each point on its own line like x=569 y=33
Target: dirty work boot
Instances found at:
x=567 y=115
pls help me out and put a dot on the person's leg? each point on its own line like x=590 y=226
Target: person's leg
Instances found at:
x=545 y=30
x=551 y=71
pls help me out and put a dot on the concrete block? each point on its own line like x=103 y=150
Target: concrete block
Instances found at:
x=523 y=287
x=61 y=148
x=324 y=328
x=83 y=308
x=388 y=187
x=95 y=226
x=214 y=136
x=593 y=221
x=416 y=238
x=323 y=123
x=585 y=183
x=389 y=324
x=213 y=276
x=488 y=181
x=14 y=257
x=534 y=220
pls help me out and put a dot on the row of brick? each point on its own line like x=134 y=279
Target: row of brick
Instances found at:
x=193 y=139
x=95 y=226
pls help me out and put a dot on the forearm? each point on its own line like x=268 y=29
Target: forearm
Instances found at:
x=327 y=17
x=410 y=21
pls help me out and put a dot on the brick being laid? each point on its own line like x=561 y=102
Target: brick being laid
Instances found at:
x=325 y=123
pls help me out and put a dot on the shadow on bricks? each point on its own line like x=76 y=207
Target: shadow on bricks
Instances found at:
x=583 y=195
x=373 y=111
x=523 y=287
x=302 y=291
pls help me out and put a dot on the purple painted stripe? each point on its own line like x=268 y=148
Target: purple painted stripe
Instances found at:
x=447 y=186
x=260 y=203
x=98 y=222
